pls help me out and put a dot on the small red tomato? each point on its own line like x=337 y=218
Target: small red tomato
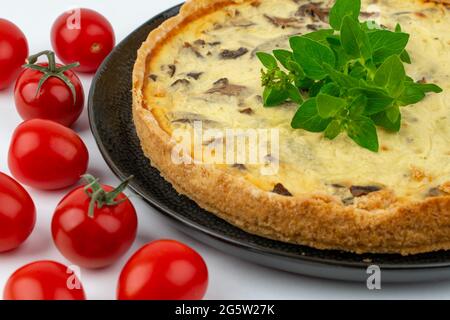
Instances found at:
x=82 y=35
x=49 y=91
x=163 y=270
x=17 y=214
x=95 y=225
x=13 y=52
x=46 y=155
x=44 y=280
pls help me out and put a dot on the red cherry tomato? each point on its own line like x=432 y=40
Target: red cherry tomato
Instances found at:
x=17 y=214
x=44 y=280
x=94 y=230
x=46 y=155
x=82 y=35
x=163 y=270
x=13 y=52
x=60 y=98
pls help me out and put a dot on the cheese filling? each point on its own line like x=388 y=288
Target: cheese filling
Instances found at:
x=209 y=72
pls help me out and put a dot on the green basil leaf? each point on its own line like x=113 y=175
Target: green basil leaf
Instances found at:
x=333 y=130
x=294 y=94
x=307 y=117
x=315 y=89
x=331 y=89
x=391 y=75
x=341 y=56
x=334 y=40
x=362 y=130
x=341 y=79
x=267 y=60
x=283 y=56
x=371 y=67
x=343 y=8
x=304 y=84
x=405 y=57
x=311 y=55
x=393 y=113
x=358 y=71
x=357 y=106
x=377 y=99
x=354 y=40
x=295 y=68
x=329 y=106
x=411 y=95
x=381 y=119
x=386 y=43
x=427 y=87
x=274 y=96
x=320 y=35
x=415 y=92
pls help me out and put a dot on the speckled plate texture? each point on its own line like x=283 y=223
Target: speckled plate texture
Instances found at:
x=111 y=123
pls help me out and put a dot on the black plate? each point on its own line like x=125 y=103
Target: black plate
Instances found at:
x=113 y=129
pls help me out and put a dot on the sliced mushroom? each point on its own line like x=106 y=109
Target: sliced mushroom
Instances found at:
x=178 y=82
x=239 y=166
x=199 y=42
x=284 y=22
x=224 y=87
x=420 y=14
x=312 y=27
x=400 y=13
x=281 y=190
x=233 y=54
x=343 y=192
x=190 y=118
x=194 y=75
x=171 y=69
x=366 y=14
x=248 y=111
x=360 y=191
x=153 y=77
x=348 y=201
x=221 y=81
x=259 y=98
x=217 y=26
x=434 y=192
x=237 y=21
x=242 y=23
x=194 y=50
x=214 y=141
x=313 y=10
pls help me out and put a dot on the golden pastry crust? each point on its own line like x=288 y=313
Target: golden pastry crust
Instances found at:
x=378 y=223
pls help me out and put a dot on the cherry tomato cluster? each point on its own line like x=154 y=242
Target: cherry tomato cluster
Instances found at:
x=94 y=225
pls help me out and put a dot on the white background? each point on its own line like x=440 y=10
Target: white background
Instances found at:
x=230 y=278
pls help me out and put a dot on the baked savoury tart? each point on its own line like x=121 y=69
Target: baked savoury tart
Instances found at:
x=354 y=96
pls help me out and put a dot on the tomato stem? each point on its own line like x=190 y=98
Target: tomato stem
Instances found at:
x=100 y=197
x=51 y=71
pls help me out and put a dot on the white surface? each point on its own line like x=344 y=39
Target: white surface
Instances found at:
x=230 y=278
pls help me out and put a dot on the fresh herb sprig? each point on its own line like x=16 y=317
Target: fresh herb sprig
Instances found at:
x=348 y=78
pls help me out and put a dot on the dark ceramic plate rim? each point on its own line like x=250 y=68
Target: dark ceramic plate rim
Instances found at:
x=258 y=249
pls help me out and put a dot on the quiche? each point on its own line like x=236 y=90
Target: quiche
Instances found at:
x=201 y=68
